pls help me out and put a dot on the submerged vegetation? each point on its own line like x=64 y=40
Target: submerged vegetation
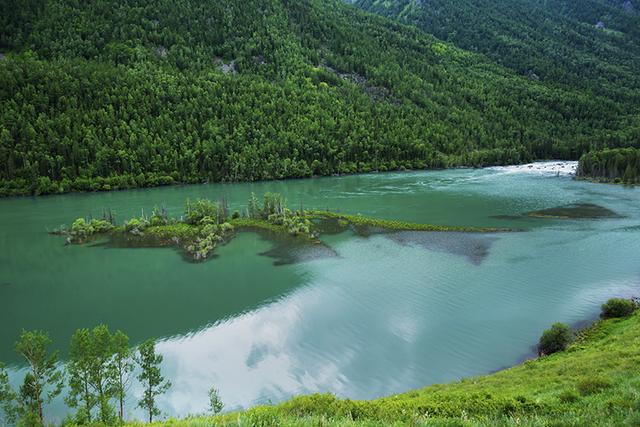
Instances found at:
x=206 y=225
x=575 y=211
x=593 y=381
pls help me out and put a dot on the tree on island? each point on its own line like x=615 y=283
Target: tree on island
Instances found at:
x=151 y=378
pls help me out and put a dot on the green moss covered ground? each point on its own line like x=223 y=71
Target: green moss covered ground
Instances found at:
x=359 y=220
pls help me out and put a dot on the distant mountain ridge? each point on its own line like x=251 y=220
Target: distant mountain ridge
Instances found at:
x=593 y=45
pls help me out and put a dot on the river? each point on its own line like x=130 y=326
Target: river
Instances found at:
x=374 y=316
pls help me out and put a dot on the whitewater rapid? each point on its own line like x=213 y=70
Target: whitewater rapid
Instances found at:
x=556 y=167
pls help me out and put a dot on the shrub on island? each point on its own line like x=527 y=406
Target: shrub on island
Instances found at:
x=82 y=229
x=197 y=211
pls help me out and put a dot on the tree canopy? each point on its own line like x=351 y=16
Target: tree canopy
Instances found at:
x=102 y=95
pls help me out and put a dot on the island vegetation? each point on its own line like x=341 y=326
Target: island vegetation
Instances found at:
x=588 y=378
x=619 y=166
x=207 y=224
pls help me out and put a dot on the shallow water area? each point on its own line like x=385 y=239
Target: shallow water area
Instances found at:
x=361 y=315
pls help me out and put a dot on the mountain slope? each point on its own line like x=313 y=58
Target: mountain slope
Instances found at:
x=593 y=45
x=100 y=95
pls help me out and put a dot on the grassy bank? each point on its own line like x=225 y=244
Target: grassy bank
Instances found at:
x=595 y=382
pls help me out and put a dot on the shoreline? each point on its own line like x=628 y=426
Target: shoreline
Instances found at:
x=334 y=175
x=532 y=388
x=595 y=180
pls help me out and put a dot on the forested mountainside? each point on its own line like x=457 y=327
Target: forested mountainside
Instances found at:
x=619 y=165
x=593 y=45
x=99 y=94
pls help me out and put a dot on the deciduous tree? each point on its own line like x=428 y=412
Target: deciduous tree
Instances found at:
x=151 y=378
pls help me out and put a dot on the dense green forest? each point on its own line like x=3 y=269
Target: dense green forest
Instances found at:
x=617 y=165
x=100 y=95
x=593 y=45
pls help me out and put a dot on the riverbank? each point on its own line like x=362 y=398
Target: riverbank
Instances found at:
x=46 y=187
x=595 y=382
x=611 y=166
x=279 y=319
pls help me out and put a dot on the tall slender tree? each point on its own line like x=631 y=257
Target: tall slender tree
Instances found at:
x=151 y=378
x=7 y=396
x=44 y=380
x=102 y=374
x=253 y=208
x=93 y=373
x=121 y=367
x=81 y=394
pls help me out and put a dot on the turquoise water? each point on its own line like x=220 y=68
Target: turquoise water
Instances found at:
x=372 y=316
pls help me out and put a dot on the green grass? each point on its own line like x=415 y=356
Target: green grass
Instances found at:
x=260 y=224
x=400 y=225
x=596 y=382
x=180 y=230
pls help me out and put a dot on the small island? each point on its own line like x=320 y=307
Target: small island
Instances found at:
x=208 y=224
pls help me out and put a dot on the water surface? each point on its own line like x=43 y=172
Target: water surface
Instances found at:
x=365 y=317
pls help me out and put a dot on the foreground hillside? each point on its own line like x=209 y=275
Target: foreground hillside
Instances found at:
x=101 y=95
x=595 y=382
